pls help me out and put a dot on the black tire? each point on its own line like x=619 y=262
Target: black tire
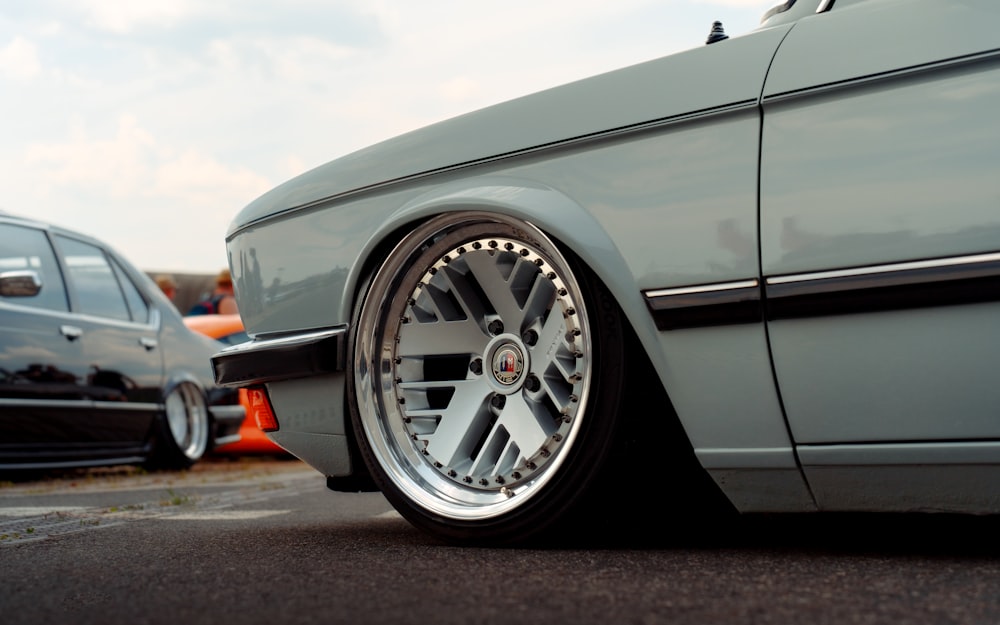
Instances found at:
x=183 y=429
x=486 y=383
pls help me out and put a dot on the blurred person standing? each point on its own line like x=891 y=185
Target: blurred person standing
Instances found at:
x=168 y=285
x=221 y=301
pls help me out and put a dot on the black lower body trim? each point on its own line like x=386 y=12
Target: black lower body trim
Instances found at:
x=268 y=360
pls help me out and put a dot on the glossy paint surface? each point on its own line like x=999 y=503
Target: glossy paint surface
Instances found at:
x=83 y=389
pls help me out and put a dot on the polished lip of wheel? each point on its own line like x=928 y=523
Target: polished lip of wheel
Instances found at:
x=479 y=369
x=187 y=419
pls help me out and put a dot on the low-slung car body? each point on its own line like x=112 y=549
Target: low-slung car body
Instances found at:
x=773 y=260
x=96 y=366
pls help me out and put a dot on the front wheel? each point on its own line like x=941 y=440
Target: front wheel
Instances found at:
x=487 y=378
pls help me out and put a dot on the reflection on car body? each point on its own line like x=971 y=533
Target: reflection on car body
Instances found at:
x=772 y=261
x=96 y=367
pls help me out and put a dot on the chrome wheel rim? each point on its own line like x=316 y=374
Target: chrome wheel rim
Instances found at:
x=473 y=364
x=187 y=420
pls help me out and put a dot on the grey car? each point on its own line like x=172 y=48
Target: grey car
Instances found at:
x=763 y=272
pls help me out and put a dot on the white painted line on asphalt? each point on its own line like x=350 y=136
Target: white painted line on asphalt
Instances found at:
x=226 y=515
x=32 y=511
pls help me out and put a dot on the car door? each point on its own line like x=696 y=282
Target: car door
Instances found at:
x=119 y=339
x=43 y=369
x=880 y=234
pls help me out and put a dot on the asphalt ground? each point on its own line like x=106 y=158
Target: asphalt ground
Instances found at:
x=262 y=541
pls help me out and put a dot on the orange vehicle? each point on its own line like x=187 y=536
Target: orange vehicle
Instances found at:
x=228 y=330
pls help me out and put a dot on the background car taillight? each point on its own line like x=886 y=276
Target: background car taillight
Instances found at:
x=260 y=408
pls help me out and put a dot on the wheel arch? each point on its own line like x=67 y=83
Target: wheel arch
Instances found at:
x=178 y=378
x=561 y=218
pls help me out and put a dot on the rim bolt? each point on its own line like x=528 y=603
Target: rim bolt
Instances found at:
x=484 y=482
x=531 y=465
x=539 y=262
x=495 y=327
x=446 y=259
x=545 y=453
x=525 y=252
x=516 y=475
x=570 y=312
x=500 y=479
x=532 y=383
x=562 y=292
x=460 y=250
x=498 y=401
x=437 y=465
x=477 y=245
x=530 y=337
x=476 y=366
x=492 y=244
x=508 y=246
x=467 y=479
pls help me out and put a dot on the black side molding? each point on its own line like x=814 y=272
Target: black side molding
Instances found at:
x=282 y=358
x=706 y=305
x=952 y=281
x=897 y=288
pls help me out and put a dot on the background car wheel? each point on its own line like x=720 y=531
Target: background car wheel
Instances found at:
x=487 y=379
x=184 y=428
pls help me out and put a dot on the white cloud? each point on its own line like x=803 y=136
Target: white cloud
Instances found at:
x=123 y=16
x=19 y=60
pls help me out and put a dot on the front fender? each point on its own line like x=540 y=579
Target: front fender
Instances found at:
x=555 y=213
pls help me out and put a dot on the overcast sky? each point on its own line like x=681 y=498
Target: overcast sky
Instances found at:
x=151 y=123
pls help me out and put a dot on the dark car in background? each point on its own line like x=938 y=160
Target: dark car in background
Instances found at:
x=96 y=365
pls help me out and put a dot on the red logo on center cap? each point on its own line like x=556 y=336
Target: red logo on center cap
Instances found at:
x=507 y=365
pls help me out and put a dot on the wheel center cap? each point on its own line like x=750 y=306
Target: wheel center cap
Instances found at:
x=508 y=364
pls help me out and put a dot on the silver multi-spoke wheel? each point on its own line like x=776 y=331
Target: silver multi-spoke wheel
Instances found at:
x=473 y=364
x=187 y=426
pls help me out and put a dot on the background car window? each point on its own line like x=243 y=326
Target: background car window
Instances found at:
x=29 y=249
x=92 y=279
x=136 y=304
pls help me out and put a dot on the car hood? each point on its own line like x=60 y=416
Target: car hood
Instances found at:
x=727 y=73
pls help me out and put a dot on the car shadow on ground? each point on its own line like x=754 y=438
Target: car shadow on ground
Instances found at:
x=926 y=534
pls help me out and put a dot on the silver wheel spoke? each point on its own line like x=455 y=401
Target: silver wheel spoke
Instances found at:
x=465 y=415
x=439 y=338
x=528 y=426
x=484 y=267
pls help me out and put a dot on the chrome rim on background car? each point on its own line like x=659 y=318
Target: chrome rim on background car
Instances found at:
x=473 y=360
x=187 y=419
